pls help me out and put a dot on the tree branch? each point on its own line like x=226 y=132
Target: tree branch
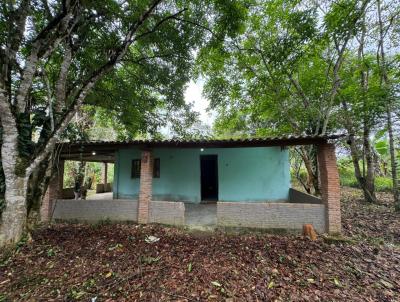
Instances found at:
x=195 y=24
x=60 y=89
x=17 y=22
x=158 y=24
x=45 y=41
x=115 y=57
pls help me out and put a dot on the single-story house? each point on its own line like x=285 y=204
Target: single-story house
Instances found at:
x=247 y=179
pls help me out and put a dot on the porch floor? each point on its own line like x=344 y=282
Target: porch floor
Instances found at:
x=201 y=215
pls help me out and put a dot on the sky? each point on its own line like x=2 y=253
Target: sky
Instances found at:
x=193 y=95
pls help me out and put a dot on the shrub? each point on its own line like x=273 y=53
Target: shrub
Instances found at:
x=383 y=184
x=347 y=177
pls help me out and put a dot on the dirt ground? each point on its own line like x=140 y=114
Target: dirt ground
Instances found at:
x=119 y=263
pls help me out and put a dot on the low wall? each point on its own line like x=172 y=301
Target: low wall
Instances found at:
x=167 y=212
x=95 y=210
x=301 y=197
x=68 y=193
x=269 y=215
x=103 y=188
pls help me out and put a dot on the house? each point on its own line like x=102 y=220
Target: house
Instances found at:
x=246 y=180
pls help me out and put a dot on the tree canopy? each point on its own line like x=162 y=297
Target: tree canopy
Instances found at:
x=132 y=58
x=311 y=67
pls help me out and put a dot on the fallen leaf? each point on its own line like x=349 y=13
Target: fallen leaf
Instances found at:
x=151 y=239
x=387 y=284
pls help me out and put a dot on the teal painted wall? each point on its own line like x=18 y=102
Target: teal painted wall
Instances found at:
x=244 y=174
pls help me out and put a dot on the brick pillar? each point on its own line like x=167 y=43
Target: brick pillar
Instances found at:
x=146 y=181
x=330 y=186
x=54 y=191
x=104 y=175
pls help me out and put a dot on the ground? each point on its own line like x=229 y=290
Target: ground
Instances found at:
x=119 y=262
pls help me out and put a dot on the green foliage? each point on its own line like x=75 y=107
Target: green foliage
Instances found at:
x=143 y=92
x=383 y=184
x=347 y=178
x=250 y=80
x=92 y=170
x=307 y=67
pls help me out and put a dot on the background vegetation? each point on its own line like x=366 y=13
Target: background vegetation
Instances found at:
x=315 y=68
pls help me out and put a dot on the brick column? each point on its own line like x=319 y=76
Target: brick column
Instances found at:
x=104 y=175
x=330 y=186
x=145 y=191
x=54 y=191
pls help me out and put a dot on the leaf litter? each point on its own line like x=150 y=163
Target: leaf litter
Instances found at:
x=77 y=262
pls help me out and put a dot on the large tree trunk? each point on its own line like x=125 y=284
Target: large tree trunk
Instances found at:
x=13 y=216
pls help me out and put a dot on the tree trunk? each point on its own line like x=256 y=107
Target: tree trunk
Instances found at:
x=385 y=82
x=368 y=190
x=370 y=173
x=312 y=170
x=393 y=161
x=37 y=186
x=13 y=217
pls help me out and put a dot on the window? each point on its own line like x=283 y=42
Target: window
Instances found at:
x=156 y=168
x=135 y=168
x=136 y=165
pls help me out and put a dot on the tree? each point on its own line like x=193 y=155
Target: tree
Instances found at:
x=362 y=107
x=383 y=30
x=54 y=54
x=282 y=74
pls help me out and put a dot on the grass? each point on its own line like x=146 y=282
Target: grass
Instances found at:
x=347 y=178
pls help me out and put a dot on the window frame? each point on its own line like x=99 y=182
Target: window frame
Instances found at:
x=136 y=163
x=156 y=167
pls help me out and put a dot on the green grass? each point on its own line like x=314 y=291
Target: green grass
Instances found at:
x=347 y=178
x=383 y=184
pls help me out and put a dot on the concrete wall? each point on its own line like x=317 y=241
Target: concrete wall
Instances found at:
x=167 y=212
x=245 y=174
x=96 y=210
x=301 y=197
x=289 y=216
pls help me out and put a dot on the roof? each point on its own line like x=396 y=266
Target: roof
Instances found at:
x=103 y=151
